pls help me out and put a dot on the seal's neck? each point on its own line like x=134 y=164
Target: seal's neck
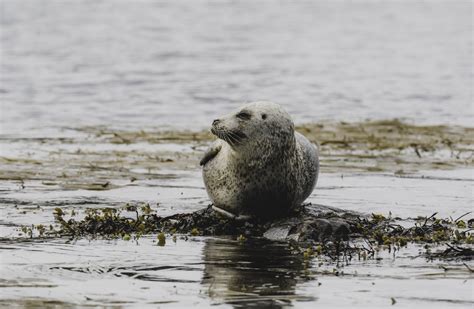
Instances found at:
x=272 y=149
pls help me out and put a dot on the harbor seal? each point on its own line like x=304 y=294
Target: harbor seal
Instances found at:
x=259 y=166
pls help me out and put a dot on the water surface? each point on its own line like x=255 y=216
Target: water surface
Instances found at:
x=182 y=63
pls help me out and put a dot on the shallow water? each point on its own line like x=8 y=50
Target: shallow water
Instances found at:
x=116 y=65
x=224 y=272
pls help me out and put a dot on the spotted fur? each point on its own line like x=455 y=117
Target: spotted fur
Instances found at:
x=259 y=165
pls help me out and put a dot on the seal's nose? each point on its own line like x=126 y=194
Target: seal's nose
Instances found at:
x=215 y=122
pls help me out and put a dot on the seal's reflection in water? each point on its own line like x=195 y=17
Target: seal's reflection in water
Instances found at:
x=256 y=273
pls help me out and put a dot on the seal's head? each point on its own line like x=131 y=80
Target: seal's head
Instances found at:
x=255 y=124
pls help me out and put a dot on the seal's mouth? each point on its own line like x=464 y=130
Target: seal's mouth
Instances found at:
x=232 y=137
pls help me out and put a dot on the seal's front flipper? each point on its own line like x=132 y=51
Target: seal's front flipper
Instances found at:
x=210 y=154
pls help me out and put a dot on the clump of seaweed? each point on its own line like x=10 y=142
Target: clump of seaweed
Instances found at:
x=385 y=231
x=108 y=222
x=325 y=231
x=141 y=220
x=379 y=230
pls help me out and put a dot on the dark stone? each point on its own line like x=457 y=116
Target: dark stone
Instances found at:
x=310 y=223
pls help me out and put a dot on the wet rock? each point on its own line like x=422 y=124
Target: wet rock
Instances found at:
x=311 y=223
x=306 y=228
x=278 y=233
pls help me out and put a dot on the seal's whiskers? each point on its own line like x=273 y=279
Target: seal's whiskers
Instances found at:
x=234 y=137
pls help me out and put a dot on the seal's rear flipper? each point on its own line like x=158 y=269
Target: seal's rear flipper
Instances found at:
x=230 y=215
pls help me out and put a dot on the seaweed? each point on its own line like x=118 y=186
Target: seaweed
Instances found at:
x=314 y=230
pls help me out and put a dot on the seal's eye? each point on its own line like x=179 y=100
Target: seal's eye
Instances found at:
x=243 y=115
x=264 y=116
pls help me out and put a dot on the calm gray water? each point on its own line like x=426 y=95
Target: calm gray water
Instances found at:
x=181 y=63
